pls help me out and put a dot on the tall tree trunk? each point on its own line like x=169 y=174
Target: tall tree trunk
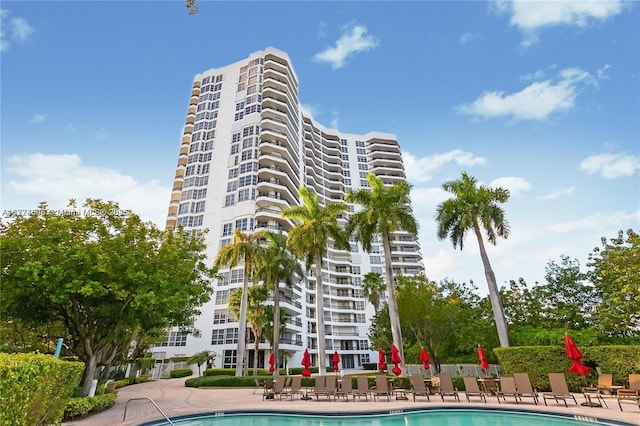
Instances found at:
x=90 y=371
x=322 y=365
x=276 y=325
x=494 y=293
x=255 y=352
x=242 y=326
x=394 y=316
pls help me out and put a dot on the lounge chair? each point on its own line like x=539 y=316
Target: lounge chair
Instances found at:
x=446 y=387
x=524 y=388
x=559 y=389
x=328 y=389
x=346 y=388
x=418 y=388
x=628 y=396
x=634 y=381
x=294 y=389
x=319 y=386
x=605 y=381
x=278 y=387
x=267 y=389
x=362 y=388
x=472 y=389
x=382 y=387
x=507 y=388
x=489 y=385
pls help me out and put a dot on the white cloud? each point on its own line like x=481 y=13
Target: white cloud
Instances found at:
x=13 y=29
x=38 y=118
x=515 y=185
x=313 y=109
x=335 y=119
x=611 y=166
x=99 y=132
x=468 y=36
x=599 y=221
x=56 y=178
x=537 y=101
x=322 y=30
x=602 y=72
x=532 y=16
x=354 y=39
x=420 y=169
x=558 y=193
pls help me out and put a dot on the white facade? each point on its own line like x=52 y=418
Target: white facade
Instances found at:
x=247 y=147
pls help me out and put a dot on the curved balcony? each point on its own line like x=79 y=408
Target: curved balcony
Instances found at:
x=278 y=163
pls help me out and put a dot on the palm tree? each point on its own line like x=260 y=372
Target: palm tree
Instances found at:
x=471 y=208
x=247 y=249
x=385 y=210
x=201 y=358
x=308 y=240
x=279 y=266
x=255 y=314
x=373 y=288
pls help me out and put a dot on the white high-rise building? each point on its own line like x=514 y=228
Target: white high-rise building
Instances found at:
x=247 y=147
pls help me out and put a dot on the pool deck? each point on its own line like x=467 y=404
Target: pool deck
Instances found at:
x=177 y=400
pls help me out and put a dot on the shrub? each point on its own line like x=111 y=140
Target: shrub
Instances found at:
x=34 y=388
x=369 y=366
x=220 y=372
x=78 y=407
x=180 y=372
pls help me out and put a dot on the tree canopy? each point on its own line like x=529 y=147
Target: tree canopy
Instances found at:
x=102 y=273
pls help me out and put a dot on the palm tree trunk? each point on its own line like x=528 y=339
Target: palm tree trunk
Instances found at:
x=242 y=326
x=494 y=294
x=255 y=352
x=394 y=316
x=276 y=324
x=320 y=314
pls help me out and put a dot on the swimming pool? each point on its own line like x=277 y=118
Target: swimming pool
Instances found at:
x=431 y=417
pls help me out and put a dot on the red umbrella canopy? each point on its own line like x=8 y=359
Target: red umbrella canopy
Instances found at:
x=335 y=360
x=306 y=363
x=395 y=359
x=574 y=354
x=382 y=360
x=272 y=362
x=424 y=358
x=483 y=358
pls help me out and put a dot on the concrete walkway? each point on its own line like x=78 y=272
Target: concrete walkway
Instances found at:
x=175 y=400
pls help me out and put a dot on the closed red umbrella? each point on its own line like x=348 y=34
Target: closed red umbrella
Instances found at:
x=395 y=359
x=382 y=360
x=424 y=357
x=272 y=362
x=335 y=361
x=483 y=358
x=574 y=354
x=306 y=363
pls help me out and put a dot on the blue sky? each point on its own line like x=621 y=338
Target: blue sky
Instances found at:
x=541 y=98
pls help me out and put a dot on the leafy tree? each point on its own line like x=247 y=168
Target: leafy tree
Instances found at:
x=373 y=289
x=522 y=306
x=616 y=277
x=278 y=266
x=255 y=314
x=200 y=359
x=192 y=7
x=245 y=248
x=316 y=224
x=474 y=208
x=385 y=211
x=106 y=275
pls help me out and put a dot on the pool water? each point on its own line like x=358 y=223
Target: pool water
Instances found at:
x=449 y=417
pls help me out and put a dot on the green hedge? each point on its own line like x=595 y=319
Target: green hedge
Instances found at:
x=538 y=361
x=131 y=381
x=34 y=388
x=233 y=381
x=180 y=372
x=80 y=407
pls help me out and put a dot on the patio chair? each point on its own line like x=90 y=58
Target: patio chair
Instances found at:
x=294 y=389
x=507 y=388
x=471 y=388
x=524 y=388
x=418 y=388
x=489 y=385
x=628 y=396
x=346 y=388
x=318 y=388
x=382 y=387
x=329 y=389
x=362 y=388
x=446 y=387
x=559 y=389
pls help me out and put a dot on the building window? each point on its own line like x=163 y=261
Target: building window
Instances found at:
x=229 y=360
x=230 y=200
x=231 y=335
x=220 y=316
x=222 y=297
x=375 y=260
x=217 y=337
x=227 y=229
x=360 y=144
x=175 y=338
x=361 y=151
x=362 y=159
